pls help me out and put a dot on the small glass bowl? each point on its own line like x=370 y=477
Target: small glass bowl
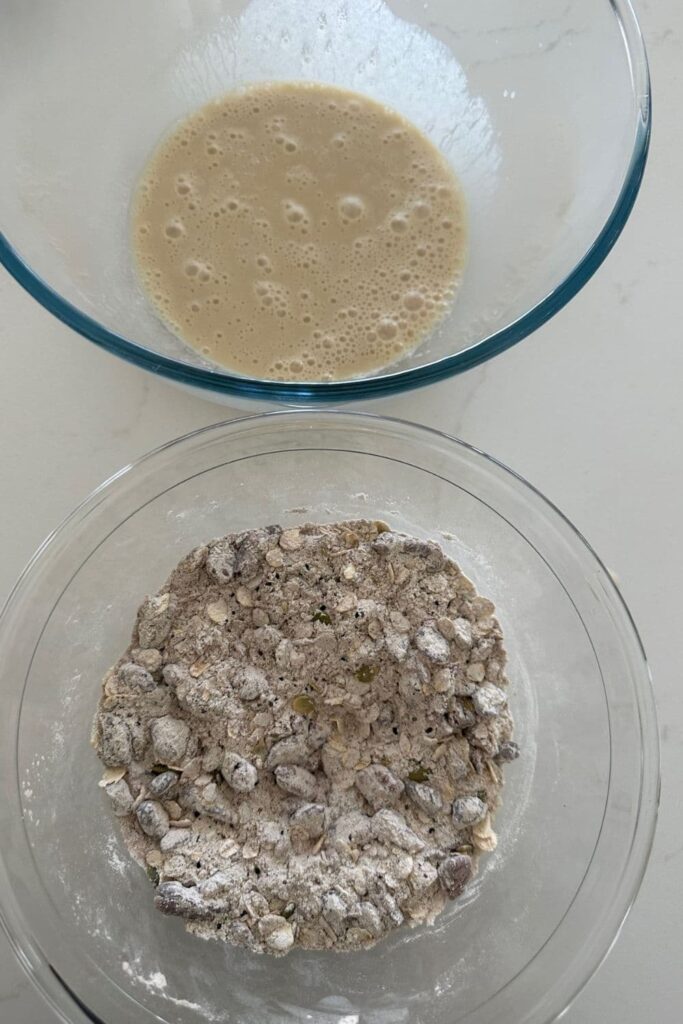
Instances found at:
x=579 y=806
x=542 y=107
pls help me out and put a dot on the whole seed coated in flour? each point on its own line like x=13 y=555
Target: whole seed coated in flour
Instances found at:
x=304 y=740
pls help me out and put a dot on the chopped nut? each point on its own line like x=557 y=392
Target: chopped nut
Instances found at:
x=446 y=627
x=291 y=540
x=250 y=682
x=148 y=658
x=199 y=667
x=309 y=820
x=432 y=644
x=244 y=597
x=291 y=750
x=346 y=603
x=489 y=700
x=476 y=672
x=135 y=677
x=154 y=620
x=277 y=932
x=275 y=558
x=120 y=796
x=462 y=630
x=217 y=611
x=296 y=780
x=173 y=809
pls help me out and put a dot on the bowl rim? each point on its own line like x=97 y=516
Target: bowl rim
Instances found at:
x=221 y=382
x=55 y=990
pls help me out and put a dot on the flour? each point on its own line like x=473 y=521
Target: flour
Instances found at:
x=304 y=739
x=157 y=983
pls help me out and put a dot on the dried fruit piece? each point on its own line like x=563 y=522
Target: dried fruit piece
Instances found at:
x=454 y=873
x=467 y=810
x=379 y=786
x=240 y=774
x=296 y=780
x=164 y=785
x=169 y=739
x=152 y=818
x=135 y=677
x=182 y=901
x=507 y=751
x=309 y=821
x=425 y=797
x=390 y=827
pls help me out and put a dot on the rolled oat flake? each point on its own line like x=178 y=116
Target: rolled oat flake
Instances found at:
x=304 y=740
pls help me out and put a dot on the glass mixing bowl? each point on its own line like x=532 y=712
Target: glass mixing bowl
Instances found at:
x=541 y=106
x=579 y=805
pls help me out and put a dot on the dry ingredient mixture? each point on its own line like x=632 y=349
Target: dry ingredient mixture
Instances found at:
x=298 y=231
x=304 y=739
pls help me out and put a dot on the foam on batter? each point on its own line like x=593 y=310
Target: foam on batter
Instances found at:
x=296 y=231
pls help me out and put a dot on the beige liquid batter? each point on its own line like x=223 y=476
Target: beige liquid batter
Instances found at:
x=297 y=231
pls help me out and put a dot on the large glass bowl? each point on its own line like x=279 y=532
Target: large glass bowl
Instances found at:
x=579 y=805
x=541 y=106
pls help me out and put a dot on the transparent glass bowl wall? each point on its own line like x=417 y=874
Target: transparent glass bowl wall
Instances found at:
x=580 y=803
x=542 y=107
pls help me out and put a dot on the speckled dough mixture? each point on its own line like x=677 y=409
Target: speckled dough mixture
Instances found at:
x=304 y=739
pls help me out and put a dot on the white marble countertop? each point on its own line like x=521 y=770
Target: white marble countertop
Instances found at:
x=606 y=445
